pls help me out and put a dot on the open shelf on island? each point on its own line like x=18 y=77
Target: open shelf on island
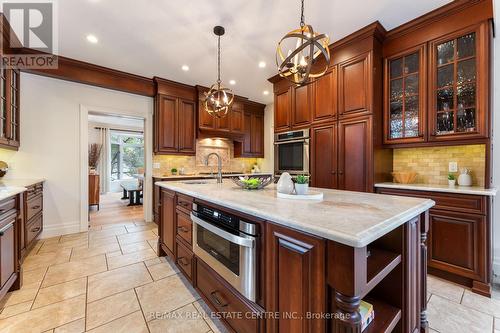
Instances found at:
x=386 y=317
x=378 y=265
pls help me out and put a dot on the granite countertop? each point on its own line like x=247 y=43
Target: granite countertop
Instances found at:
x=10 y=191
x=476 y=190
x=351 y=218
x=11 y=187
x=207 y=176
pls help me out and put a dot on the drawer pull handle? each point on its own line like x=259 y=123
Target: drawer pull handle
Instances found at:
x=217 y=301
x=35 y=207
x=183 y=261
x=4 y=229
x=183 y=229
x=35 y=229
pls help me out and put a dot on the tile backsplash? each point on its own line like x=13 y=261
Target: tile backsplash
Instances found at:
x=195 y=164
x=431 y=163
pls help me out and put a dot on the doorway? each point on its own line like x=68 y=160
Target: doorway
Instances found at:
x=115 y=168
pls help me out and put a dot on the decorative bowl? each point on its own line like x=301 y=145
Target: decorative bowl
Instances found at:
x=404 y=177
x=253 y=182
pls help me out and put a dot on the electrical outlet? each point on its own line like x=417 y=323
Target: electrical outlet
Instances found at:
x=156 y=165
x=453 y=167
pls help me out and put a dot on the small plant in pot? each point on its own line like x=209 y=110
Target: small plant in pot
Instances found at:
x=451 y=179
x=301 y=184
x=173 y=171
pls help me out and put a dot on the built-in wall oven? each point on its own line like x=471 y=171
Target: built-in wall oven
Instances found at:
x=228 y=244
x=291 y=152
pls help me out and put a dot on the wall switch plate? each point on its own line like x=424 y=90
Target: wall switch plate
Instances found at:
x=156 y=165
x=453 y=167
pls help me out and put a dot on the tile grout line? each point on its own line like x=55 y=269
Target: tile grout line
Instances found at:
x=39 y=288
x=86 y=304
x=142 y=311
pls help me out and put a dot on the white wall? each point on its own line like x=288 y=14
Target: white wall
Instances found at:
x=50 y=141
x=268 y=162
x=496 y=141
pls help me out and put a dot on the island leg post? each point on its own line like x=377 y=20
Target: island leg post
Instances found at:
x=347 y=316
x=424 y=228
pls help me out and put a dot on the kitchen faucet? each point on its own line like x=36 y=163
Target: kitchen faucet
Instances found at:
x=219 y=166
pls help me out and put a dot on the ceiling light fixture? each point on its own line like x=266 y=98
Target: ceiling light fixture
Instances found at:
x=219 y=98
x=262 y=64
x=266 y=92
x=232 y=82
x=92 y=39
x=304 y=46
x=185 y=68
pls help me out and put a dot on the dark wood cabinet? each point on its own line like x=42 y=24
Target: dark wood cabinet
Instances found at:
x=9 y=108
x=282 y=110
x=325 y=97
x=237 y=118
x=156 y=202
x=355 y=154
x=405 y=85
x=302 y=105
x=31 y=217
x=174 y=119
x=458 y=245
x=94 y=191
x=167 y=225
x=324 y=156
x=10 y=251
x=355 y=86
x=252 y=144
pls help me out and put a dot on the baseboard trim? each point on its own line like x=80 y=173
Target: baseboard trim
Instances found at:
x=60 y=229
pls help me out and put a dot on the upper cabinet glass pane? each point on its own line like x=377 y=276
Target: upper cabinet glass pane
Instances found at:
x=466 y=46
x=396 y=67
x=396 y=89
x=446 y=52
x=466 y=71
x=411 y=84
x=445 y=76
x=411 y=63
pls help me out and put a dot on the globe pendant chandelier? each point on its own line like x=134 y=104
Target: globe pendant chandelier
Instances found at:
x=304 y=46
x=219 y=98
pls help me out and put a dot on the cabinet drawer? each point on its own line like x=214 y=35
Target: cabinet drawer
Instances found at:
x=34 y=228
x=34 y=206
x=184 y=227
x=455 y=202
x=7 y=205
x=7 y=249
x=34 y=190
x=184 y=202
x=184 y=260
x=225 y=300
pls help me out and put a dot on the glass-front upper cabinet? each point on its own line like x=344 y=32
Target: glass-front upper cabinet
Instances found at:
x=459 y=69
x=405 y=97
x=3 y=106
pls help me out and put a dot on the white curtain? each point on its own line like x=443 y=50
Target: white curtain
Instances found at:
x=104 y=166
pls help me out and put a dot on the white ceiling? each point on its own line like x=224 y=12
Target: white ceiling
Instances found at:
x=157 y=37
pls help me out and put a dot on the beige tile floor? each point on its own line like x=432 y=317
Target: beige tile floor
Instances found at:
x=110 y=280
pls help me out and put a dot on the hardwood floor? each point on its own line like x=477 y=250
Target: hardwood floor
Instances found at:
x=114 y=210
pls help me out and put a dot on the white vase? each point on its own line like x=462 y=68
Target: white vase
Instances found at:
x=301 y=189
x=465 y=178
x=285 y=184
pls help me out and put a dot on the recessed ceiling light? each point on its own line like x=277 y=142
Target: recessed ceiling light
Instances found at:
x=185 y=68
x=92 y=39
x=266 y=92
x=232 y=82
x=262 y=64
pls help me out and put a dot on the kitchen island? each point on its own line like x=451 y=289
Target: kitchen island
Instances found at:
x=315 y=261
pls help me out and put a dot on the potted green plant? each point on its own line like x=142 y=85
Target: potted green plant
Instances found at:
x=173 y=171
x=301 y=184
x=451 y=179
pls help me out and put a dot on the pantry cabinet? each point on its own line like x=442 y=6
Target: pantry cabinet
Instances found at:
x=324 y=156
x=325 y=97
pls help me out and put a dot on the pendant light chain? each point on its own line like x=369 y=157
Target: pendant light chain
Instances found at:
x=302 y=18
x=218 y=61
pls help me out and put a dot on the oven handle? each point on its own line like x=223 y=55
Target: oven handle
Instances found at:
x=245 y=242
x=292 y=141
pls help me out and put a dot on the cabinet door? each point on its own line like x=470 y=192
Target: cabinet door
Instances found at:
x=457 y=243
x=224 y=124
x=166 y=124
x=3 y=106
x=355 y=151
x=282 y=110
x=7 y=250
x=404 y=102
x=257 y=136
x=186 y=127
x=156 y=203
x=354 y=86
x=459 y=85
x=325 y=96
x=247 y=140
x=168 y=221
x=205 y=120
x=324 y=156
x=237 y=120
x=301 y=111
x=295 y=279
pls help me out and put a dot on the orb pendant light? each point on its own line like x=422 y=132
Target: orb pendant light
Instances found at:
x=304 y=46
x=219 y=98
